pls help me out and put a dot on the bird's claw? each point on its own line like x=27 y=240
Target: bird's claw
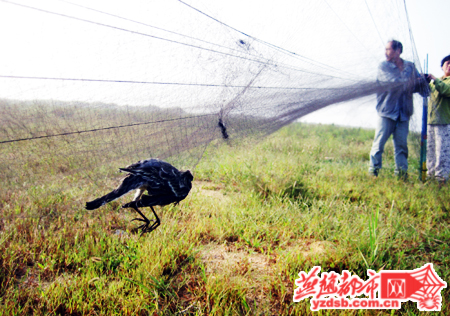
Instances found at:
x=146 y=229
x=145 y=226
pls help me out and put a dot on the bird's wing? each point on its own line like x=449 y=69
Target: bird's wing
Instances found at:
x=161 y=177
x=152 y=200
x=143 y=166
x=148 y=169
x=175 y=183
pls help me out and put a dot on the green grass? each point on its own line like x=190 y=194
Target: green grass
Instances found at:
x=256 y=217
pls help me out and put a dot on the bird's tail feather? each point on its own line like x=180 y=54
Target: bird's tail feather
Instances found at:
x=96 y=203
x=128 y=184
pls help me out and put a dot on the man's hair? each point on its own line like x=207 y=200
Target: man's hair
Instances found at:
x=444 y=60
x=396 y=45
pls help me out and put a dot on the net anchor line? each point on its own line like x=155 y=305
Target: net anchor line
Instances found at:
x=283 y=50
x=232 y=103
x=130 y=31
x=103 y=128
x=161 y=29
x=166 y=39
x=163 y=83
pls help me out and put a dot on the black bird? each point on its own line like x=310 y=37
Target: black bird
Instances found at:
x=163 y=182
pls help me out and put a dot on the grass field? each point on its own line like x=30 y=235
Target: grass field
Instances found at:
x=256 y=217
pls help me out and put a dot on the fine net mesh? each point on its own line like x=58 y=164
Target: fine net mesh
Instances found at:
x=88 y=86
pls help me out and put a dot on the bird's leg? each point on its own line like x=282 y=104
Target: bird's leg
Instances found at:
x=144 y=219
x=144 y=227
x=155 y=224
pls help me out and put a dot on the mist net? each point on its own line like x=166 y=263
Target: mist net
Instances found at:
x=93 y=85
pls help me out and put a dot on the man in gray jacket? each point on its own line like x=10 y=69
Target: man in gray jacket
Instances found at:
x=395 y=107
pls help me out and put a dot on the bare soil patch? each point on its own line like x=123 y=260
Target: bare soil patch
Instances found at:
x=210 y=189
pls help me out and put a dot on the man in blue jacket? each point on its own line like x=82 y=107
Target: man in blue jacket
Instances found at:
x=400 y=80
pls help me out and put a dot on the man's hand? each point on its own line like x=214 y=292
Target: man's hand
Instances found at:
x=429 y=77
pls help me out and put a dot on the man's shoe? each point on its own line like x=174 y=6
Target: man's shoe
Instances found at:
x=441 y=181
x=374 y=172
x=402 y=175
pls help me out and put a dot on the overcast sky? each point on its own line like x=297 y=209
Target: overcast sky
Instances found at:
x=429 y=23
